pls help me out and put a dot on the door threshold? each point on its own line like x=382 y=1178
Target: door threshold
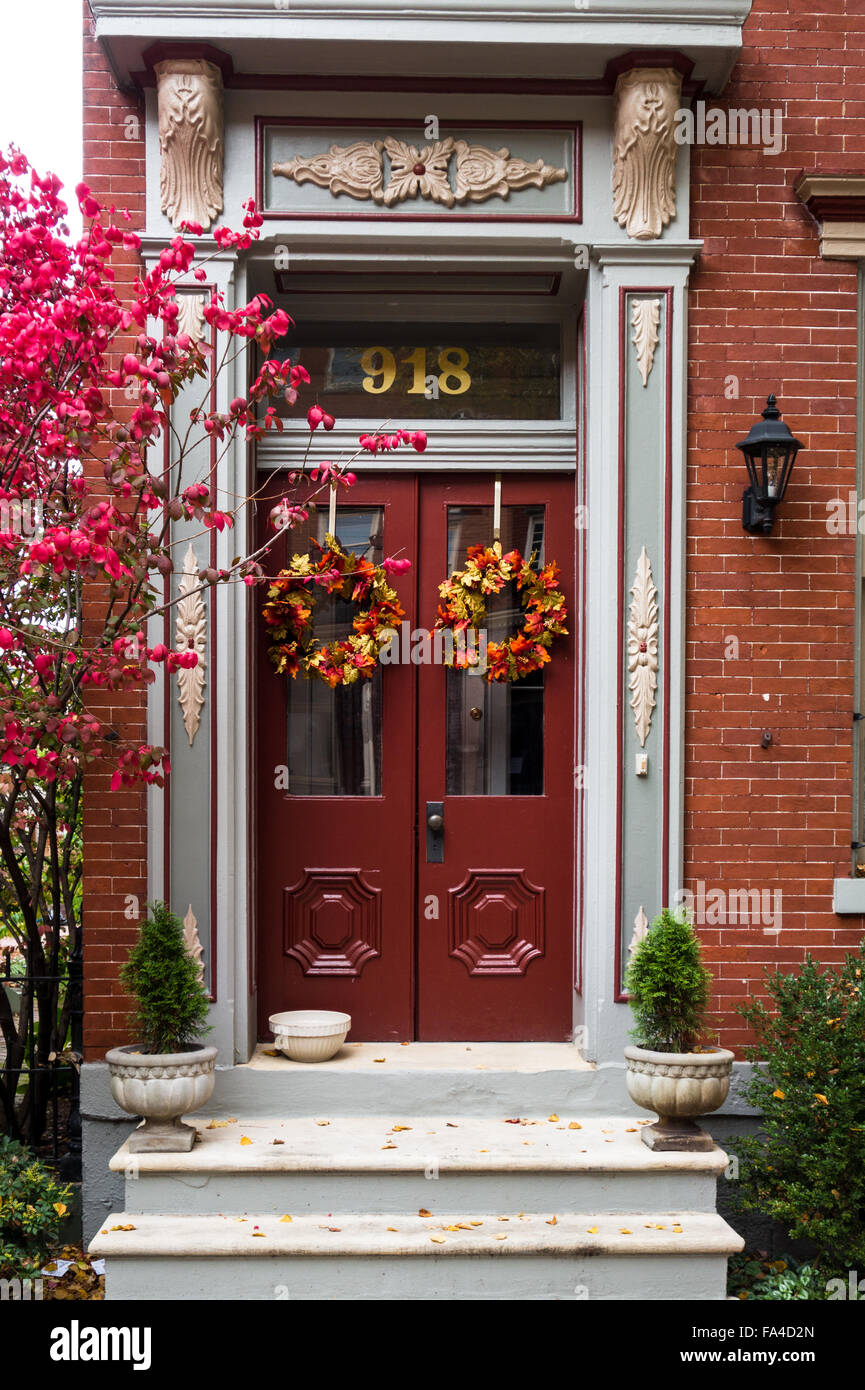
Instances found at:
x=435 y=1056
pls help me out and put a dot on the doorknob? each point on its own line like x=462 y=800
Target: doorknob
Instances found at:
x=435 y=832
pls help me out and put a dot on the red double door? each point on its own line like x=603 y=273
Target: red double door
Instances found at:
x=415 y=833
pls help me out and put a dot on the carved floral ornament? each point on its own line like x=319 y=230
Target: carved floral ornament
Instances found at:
x=191 y=635
x=644 y=150
x=643 y=647
x=191 y=140
x=358 y=170
x=645 y=318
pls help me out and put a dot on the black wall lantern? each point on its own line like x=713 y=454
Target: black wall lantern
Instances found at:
x=770 y=452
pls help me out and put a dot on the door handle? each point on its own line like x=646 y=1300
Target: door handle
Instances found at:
x=435 y=832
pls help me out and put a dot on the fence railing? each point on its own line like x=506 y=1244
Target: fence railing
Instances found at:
x=51 y=1123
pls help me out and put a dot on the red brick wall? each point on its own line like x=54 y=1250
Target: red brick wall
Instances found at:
x=115 y=849
x=765 y=308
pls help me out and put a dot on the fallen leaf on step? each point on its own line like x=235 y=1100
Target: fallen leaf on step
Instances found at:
x=451 y=1125
x=504 y=1236
x=393 y=1228
x=405 y=1044
x=513 y=1122
x=422 y=1211
x=625 y=1231
x=321 y=1123
x=607 y=1131
x=269 y=1052
x=503 y=1218
x=660 y=1228
x=453 y=1228
x=677 y=1230
x=389 y=1146
x=398 y=1129
x=554 y=1221
x=121 y=1228
x=634 y=1130
x=278 y=1141
x=552 y=1119
x=437 y=1240
x=244 y=1140
x=574 y=1125
x=330 y=1228
x=258 y=1233
x=592 y=1230
x=476 y=1223
x=379 y=1059
x=218 y=1124
x=483 y=1151
x=283 y=1219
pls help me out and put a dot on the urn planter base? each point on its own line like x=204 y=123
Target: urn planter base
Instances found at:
x=162 y=1137
x=677 y=1136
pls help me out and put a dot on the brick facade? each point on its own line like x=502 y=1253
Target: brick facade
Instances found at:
x=115 y=834
x=765 y=309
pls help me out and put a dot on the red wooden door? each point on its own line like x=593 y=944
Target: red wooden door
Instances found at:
x=496 y=916
x=350 y=915
x=336 y=847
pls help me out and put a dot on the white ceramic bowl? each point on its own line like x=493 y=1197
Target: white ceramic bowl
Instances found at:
x=309 y=1035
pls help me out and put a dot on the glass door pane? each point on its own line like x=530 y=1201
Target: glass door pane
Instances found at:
x=334 y=736
x=495 y=731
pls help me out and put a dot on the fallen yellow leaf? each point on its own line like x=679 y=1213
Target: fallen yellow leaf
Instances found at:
x=379 y=1059
x=552 y=1119
x=283 y=1219
x=393 y=1228
x=437 y=1240
x=574 y=1125
x=399 y=1129
x=322 y=1122
x=634 y=1130
x=388 y=1146
x=244 y=1140
x=422 y=1211
x=476 y=1223
x=258 y=1233
x=625 y=1231
x=592 y=1230
x=121 y=1228
x=554 y=1221
x=503 y=1236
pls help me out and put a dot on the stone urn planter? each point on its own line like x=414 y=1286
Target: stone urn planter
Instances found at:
x=161 y=1087
x=678 y=1086
x=309 y=1035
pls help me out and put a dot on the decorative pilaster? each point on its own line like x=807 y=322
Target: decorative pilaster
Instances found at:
x=191 y=139
x=644 y=150
x=191 y=635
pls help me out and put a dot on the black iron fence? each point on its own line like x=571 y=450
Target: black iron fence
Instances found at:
x=40 y=1073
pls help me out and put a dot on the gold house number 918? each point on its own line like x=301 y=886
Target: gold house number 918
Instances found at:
x=381 y=365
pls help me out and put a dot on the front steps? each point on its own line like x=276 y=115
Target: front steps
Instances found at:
x=403 y=1207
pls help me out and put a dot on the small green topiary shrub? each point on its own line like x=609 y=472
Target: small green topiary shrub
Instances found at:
x=808 y=1167
x=668 y=987
x=32 y=1207
x=163 y=979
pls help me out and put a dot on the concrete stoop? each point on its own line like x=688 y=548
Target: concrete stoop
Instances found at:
x=386 y=1206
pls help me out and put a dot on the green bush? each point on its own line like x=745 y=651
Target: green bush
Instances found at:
x=668 y=986
x=754 y=1277
x=807 y=1169
x=163 y=979
x=32 y=1207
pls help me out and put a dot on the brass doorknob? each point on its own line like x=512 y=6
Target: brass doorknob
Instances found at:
x=475 y=711
x=435 y=822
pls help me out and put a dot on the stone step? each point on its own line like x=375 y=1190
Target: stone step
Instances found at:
x=424 y=1079
x=393 y=1256
x=368 y=1165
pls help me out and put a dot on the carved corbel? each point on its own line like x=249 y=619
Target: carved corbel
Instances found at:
x=644 y=150
x=191 y=139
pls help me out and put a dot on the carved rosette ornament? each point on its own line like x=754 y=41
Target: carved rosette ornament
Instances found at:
x=191 y=139
x=645 y=318
x=359 y=171
x=645 y=149
x=191 y=635
x=643 y=647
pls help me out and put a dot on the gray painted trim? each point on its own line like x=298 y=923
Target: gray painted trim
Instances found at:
x=848 y=896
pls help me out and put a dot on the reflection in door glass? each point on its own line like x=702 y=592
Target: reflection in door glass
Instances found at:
x=334 y=736
x=495 y=732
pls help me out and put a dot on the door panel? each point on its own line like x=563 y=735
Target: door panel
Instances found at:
x=495 y=963
x=335 y=886
x=346 y=895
